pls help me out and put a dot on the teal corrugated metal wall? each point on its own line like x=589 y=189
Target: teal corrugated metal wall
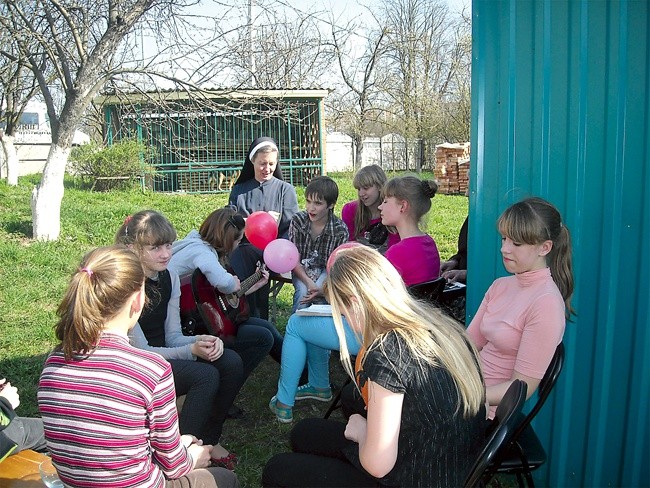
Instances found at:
x=561 y=109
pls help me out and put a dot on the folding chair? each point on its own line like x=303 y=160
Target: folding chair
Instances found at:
x=500 y=432
x=525 y=453
x=429 y=290
x=335 y=404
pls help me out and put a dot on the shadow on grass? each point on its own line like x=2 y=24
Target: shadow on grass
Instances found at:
x=22 y=228
x=24 y=372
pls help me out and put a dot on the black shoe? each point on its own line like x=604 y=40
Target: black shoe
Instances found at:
x=234 y=412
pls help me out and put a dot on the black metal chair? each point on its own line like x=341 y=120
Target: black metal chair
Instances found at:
x=500 y=432
x=525 y=452
x=429 y=290
x=335 y=404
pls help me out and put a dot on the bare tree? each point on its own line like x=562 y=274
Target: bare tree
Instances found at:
x=277 y=47
x=428 y=59
x=353 y=106
x=83 y=43
x=17 y=87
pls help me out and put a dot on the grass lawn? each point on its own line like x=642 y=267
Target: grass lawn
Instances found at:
x=33 y=277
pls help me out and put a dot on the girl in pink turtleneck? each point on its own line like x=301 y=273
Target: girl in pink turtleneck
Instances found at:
x=522 y=317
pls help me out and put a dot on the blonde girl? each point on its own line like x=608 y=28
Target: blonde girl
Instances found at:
x=207 y=374
x=425 y=406
x=362 y=216
x=109 y=409
x=522 y=317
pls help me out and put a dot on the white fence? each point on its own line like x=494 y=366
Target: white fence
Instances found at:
x=389 y=152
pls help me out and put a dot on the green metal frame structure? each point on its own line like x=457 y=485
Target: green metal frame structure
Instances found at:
x=200 y=138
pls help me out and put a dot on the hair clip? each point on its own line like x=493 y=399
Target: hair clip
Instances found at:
x=237 y=221
x=126 y=224
x=86 y=269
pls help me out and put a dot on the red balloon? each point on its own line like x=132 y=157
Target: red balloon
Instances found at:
x=260 y=229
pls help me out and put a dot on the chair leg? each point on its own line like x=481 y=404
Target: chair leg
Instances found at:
x=520 y=480
x=336 y=401
x=529 y=479
x=336 y=404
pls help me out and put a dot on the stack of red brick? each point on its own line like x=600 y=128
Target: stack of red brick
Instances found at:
x=452 y=168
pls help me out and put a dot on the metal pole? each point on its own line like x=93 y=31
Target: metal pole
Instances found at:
x=251 y=35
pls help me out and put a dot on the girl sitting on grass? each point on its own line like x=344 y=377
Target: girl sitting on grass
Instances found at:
x=109 y=409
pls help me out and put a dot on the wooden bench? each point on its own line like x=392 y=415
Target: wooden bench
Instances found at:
x=21 y=470
x=276 y=282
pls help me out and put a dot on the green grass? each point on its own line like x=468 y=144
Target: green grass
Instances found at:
x=33 y=277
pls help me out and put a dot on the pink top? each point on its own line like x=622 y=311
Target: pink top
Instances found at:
x=347 y=215
x=416 y=258
x=518 y=326
x=110 y=419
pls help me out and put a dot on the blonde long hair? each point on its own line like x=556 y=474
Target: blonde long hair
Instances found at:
x=363 y=283
x=98 y=290
x=371 y=175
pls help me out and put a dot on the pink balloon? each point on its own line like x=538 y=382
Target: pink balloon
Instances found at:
x=260 y=229
x=281 y=256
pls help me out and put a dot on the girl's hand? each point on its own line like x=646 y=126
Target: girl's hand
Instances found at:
x=10 y=393
x=207 y=347
x=187 y=440
x=263 y=281
x=200 y=455
x=356 y=428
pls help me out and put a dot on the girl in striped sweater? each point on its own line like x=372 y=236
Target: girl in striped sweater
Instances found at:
x=108 y=408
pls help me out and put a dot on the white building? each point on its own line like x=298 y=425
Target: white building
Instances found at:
x=34 y=137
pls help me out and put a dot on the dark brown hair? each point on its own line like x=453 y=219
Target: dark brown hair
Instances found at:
x=221 y=229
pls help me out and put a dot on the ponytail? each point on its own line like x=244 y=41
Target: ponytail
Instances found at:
x=533 y=221
x=98 y=291
x=415 y=191
x=559 y=261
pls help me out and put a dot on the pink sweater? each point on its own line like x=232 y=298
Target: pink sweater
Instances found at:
x=416 y=258
x=518 y=326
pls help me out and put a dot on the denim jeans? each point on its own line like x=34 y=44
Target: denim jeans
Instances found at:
x=210 y=389
x=254 y=340
x=309 y=339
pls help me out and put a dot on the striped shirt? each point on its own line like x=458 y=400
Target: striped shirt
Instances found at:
x=110 y=418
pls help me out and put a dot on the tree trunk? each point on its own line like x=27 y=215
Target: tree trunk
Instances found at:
x=358 y=156
x=47 y=196
x=11 y=158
